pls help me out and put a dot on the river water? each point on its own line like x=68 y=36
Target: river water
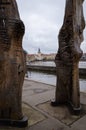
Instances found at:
x=50 y=78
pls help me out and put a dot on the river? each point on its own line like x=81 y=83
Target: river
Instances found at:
x=50 y=78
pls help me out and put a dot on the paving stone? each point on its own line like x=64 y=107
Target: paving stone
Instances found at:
x=33 y=115
x=61 y=113
x=49 y=124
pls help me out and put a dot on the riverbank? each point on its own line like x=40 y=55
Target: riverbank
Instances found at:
x=46 y=69
x=51 y=69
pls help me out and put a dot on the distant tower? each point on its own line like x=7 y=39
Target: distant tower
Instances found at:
x=39 y=51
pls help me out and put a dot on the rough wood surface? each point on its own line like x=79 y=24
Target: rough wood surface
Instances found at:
x=12 y=65
x=69 y=54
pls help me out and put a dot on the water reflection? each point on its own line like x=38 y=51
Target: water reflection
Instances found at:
x=42 y=77
x=51 y=79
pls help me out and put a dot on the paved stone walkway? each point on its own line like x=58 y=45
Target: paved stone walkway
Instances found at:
x=36 y=105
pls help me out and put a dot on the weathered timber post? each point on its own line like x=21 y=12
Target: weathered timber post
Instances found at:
x=69 y=54
x=12 y=65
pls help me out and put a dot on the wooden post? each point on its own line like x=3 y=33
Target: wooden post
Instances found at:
x=12 y=65
x=69 y=54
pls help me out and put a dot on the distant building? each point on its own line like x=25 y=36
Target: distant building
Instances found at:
x=39 y=55
x=83 y=57
x=47 y=57
x=39 y=51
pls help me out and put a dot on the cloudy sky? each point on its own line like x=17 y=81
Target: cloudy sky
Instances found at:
x=43 y=19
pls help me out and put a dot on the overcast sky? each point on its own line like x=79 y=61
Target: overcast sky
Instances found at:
x=43 y=19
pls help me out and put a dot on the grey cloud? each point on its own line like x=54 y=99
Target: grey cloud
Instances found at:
x=43 y=19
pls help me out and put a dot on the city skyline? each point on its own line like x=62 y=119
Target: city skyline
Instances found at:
x=43 y=20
